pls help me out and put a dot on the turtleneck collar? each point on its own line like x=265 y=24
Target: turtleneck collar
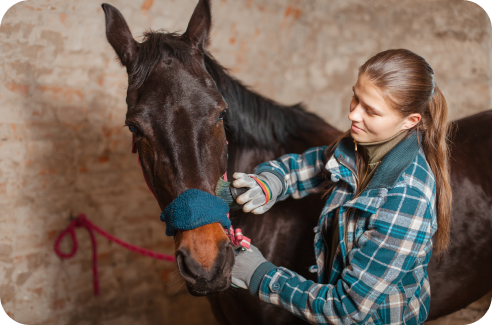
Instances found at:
x=375 y=151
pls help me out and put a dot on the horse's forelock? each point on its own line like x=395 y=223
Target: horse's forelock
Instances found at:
x=155 y=46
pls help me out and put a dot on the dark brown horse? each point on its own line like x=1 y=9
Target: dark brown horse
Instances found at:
x=183 y=105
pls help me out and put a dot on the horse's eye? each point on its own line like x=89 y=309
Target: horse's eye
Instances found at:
x=133 y=129
x=222 y=114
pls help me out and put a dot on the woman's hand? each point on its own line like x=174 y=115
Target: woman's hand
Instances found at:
x=262 y=193
x=246 y=263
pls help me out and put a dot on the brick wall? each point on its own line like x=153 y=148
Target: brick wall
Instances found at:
x=63 y=149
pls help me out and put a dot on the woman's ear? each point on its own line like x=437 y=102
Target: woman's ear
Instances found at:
x=411 y=120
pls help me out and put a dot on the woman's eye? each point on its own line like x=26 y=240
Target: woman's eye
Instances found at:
x=370 y=112
x=222 y=114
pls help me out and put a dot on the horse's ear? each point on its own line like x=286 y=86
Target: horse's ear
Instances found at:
x=199 y=26
x=119 y=35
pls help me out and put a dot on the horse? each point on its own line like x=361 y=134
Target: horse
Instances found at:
x=192 y=121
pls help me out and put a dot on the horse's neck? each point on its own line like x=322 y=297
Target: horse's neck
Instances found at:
x=259 y=129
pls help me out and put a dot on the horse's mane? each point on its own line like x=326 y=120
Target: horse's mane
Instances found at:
x=252 y=120
x=257 y=121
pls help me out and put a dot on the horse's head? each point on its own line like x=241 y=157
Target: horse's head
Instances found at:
x=175 y=113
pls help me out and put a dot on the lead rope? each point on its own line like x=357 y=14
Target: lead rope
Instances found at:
x=82 y=221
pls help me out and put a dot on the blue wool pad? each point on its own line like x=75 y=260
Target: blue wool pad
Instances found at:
x=194 y=208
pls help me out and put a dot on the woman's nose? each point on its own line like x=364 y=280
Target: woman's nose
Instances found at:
x=355 y=114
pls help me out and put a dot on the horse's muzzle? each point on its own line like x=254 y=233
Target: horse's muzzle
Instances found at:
x=200 y=281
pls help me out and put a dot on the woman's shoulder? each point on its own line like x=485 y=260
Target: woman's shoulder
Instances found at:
x=415 y=191
x=418 y=177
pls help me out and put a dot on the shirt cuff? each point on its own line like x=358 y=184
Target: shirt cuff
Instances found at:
x=257 y=277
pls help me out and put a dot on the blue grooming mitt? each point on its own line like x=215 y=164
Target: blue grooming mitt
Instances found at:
x=194 y=208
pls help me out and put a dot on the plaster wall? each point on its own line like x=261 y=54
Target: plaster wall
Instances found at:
x=63 y=149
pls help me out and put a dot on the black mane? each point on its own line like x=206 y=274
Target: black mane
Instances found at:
x=253 y=121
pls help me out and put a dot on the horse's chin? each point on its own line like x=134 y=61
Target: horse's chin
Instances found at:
x=198 y=291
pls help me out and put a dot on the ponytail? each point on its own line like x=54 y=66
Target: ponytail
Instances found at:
x=435 y=130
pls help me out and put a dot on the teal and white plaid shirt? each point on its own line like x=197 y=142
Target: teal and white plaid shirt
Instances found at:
x=379 y=274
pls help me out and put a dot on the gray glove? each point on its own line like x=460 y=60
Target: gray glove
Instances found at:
x=245 y=265
x=254 y=199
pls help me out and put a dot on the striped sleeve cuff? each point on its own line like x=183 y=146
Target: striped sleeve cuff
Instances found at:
x=257 y=277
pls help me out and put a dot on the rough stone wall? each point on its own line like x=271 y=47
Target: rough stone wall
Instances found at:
x=63 y=149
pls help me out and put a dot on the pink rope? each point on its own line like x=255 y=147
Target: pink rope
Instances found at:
x=82 y=221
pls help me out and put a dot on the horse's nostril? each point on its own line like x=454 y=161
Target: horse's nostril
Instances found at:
x=228 y=260
x=183 y=262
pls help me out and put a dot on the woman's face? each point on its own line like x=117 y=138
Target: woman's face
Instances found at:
x=372 y=118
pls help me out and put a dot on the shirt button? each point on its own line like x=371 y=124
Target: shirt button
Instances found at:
x=383 y=192
x=276 y=286
x=313 y=268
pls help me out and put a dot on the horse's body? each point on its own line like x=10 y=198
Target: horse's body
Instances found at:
x=177 y=98
x=463 y=274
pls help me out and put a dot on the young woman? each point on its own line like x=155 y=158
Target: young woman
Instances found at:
x=388 y=205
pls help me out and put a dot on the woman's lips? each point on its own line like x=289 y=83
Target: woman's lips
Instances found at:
x=356 y=129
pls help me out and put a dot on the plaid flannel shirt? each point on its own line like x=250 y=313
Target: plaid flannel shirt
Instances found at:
x=379 y=275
